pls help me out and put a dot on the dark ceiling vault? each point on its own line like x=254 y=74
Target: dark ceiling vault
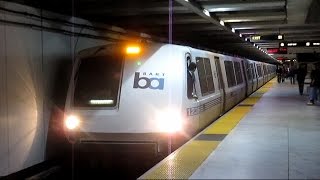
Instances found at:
x=297 y=20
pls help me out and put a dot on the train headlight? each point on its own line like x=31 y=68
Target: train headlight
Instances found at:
x=169 y=121
x=72 y=122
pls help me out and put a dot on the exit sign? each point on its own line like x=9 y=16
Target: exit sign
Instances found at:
x=267 y=37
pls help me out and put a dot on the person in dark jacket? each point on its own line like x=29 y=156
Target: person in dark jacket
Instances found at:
x=279 y=72
x=315 y=85
x=190 y=80
x=301 y=75
x=291 y=75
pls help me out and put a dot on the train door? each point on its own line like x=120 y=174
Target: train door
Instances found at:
x=265 y=74
x=193 y=110
x=245 y=75
x=221 y=84
x=251 y=77
x=209 y=99
x=256 y=77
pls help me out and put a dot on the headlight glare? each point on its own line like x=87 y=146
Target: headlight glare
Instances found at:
x=72 y=122
x=169 y=121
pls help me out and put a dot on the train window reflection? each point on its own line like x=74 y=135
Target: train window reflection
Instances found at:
x=259 y=70
x=205 y=75
x=98 y=80
x=238 y=72
x=230 y=73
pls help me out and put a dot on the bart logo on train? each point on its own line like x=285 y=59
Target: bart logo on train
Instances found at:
x=144 y=82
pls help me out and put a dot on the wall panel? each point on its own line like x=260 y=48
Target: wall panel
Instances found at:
x=25 y=99
x=35 y=67
x=4 y=161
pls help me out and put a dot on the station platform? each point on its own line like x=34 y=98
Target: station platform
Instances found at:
x=273 y=134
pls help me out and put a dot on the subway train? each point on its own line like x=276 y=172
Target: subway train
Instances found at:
x=153 y=94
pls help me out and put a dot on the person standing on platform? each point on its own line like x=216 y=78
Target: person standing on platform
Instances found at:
x=291 y=75
x=301 y=75
x=279 y=74
x=284 y=73
x=314 y=85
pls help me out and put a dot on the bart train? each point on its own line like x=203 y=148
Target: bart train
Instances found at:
x=142 y=94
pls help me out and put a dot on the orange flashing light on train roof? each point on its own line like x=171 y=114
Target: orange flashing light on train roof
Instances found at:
x=133 y=49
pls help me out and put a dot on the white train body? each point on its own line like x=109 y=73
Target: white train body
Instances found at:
x=141 y=98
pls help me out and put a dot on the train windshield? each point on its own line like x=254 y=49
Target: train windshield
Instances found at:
x=98 y=81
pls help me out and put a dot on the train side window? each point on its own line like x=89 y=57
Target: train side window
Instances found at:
x=205 y=75
x=209 y=77
x=259 y=70
x=264 y=70
x=255 y=76
x=238 y=72
x=202 y=75
x=230 y=73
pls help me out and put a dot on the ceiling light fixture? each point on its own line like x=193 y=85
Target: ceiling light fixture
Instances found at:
x=222 y=23
x=206 y=12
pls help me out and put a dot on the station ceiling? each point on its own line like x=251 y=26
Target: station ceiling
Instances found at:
x=198 y=22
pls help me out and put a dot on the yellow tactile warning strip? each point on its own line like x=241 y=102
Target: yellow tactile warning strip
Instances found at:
x=227 y=122
x=250 y=101
x=183 y=162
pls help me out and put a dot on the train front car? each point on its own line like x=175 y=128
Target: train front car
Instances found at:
x=127 y=94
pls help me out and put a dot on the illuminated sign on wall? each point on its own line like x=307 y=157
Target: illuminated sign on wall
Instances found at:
x=255 y=38
x=267 y=37
x=282 y=58
x=299 y=44
x=277 y=50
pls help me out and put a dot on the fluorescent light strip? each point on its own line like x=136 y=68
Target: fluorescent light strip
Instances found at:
x=292 y=44
x=104 y=101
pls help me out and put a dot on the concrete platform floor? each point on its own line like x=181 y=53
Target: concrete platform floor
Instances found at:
x=278 y=139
